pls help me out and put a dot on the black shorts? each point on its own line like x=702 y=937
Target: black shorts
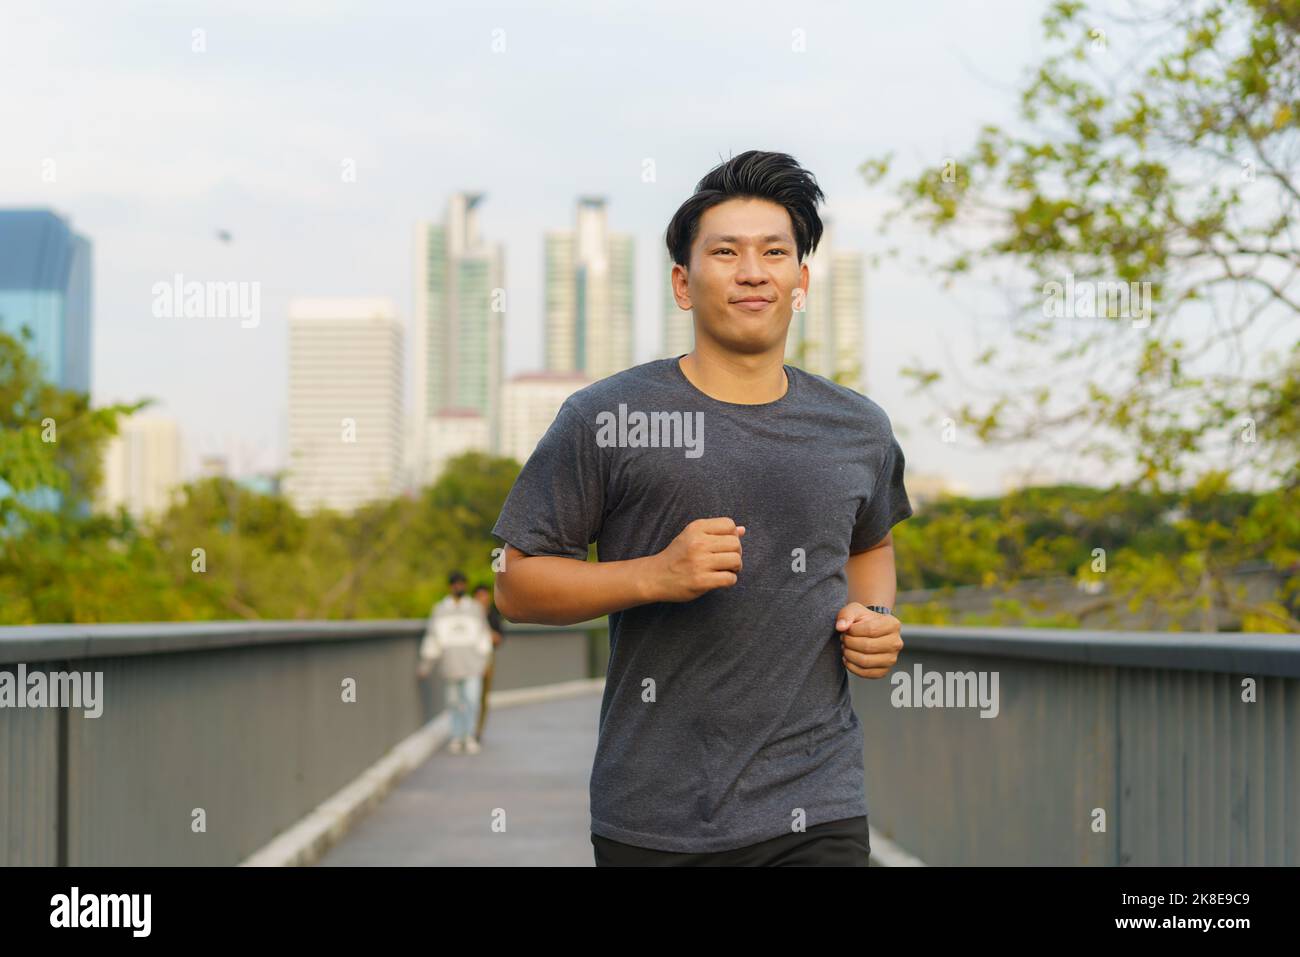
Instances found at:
x=843 y=843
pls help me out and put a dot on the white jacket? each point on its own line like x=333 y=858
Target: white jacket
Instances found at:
x=458 y=633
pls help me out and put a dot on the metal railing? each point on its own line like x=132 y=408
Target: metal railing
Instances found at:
x=212 y=738
x=1106 y=748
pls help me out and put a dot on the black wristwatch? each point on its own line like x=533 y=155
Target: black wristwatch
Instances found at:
x=880 y=609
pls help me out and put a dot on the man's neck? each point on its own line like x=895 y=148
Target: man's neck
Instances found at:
x=742 y=379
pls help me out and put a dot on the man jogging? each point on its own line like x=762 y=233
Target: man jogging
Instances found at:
x=741 y=510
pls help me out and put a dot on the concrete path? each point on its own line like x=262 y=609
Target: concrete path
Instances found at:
x=532 y=775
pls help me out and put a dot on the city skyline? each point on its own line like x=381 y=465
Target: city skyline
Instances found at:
x=324 y=204
x=455 y=406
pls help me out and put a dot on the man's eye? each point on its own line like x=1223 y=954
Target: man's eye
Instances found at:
x=781 y=251
x=722 y=250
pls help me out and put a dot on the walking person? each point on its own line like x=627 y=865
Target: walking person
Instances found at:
x=483 y=595
x=727 y=731
x=458 y=634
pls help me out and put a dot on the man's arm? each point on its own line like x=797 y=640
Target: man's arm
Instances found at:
x=871 y=641
x=553 y=590
x=871 y=574
x=550 y=590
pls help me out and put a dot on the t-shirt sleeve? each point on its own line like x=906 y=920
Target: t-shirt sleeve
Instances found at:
x=557 y=503
x=888 y=503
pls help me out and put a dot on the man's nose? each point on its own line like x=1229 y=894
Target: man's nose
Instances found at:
x=750 y=268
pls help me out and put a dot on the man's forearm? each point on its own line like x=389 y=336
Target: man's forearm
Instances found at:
x=550 y=590
x=872 y=577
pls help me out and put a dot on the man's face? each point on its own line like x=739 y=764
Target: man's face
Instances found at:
x=482 y=596
x=744 y=249
x=458 y=588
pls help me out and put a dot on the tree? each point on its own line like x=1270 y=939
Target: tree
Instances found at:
x=51 y=440
x=51 y=449
x=1144 y=225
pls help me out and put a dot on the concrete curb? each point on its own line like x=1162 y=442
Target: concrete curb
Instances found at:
x=307 y=841
x=565 y=689
x=885 y=853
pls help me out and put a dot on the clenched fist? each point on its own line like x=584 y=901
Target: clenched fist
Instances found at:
x=871 y=641
x=705 y=556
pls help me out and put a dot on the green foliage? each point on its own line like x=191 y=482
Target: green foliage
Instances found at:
x=51 y=442
x=220 y=551
x=1159 y=556
x=1156 y=150
x=259 y=558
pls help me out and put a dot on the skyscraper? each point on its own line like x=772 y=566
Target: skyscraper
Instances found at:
x=457 y=329
x=142 y=465
x=589 y=286
x=452 y=432
x=45 y=284
x=848 y=278
x=530 y=402
x=679 y=324
x=345 y=402
x=825 y=337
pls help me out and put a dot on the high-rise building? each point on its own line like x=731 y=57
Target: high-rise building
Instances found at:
x=457 y=330
x=529 y=405
x=142 y=465
x=345 y=402
x=679 y=324
x=848 y=279
x=825 y=337
x=589 y=288
x=453 y=432
x=45 y=284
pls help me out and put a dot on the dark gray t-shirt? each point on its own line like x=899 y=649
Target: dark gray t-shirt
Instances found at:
x=724 y=716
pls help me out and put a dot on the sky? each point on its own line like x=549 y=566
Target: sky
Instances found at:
x=155 y=146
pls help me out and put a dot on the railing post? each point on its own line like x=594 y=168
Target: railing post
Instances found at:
x=63 y=749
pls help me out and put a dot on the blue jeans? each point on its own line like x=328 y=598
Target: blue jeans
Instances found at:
x=462 y=699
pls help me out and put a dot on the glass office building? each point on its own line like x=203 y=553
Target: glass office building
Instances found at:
x=45 y=284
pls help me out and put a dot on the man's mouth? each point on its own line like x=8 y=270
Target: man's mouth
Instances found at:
x=752 y=303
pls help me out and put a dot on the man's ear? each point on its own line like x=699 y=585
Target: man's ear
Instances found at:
x=683 y=298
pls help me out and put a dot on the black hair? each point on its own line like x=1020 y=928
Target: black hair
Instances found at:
x=455 y=577
x=481 y=587
x=760 y=175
